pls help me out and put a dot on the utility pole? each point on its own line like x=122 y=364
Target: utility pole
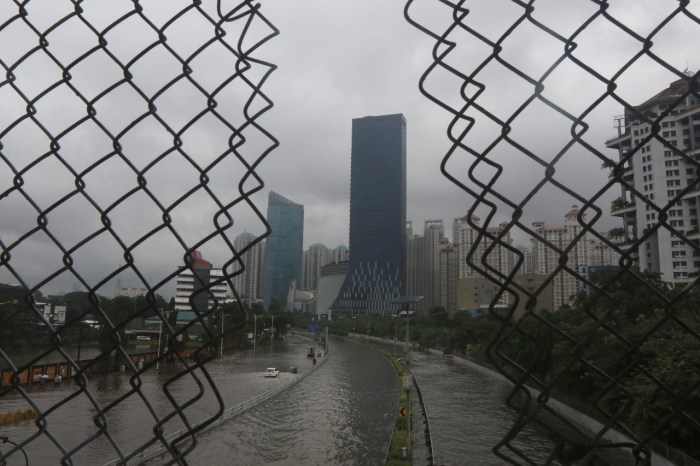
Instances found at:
x=221 y=345
x=405 y=302
x=408 y=347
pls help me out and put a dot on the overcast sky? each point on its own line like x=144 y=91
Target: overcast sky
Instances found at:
x=337 y=60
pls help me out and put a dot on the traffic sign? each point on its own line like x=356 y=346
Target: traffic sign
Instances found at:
x=402 y=412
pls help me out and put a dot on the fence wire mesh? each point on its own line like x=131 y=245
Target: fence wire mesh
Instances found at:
x=626 y=348
x=629 y=348
x=99 y=163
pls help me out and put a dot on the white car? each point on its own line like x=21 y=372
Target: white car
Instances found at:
x=271 y=372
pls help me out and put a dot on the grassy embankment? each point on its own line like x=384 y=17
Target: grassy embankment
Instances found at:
x=402 y=426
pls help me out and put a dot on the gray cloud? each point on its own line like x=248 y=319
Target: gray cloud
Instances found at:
x=336 y=61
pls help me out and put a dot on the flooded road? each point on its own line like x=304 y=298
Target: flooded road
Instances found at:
x=341 y=414
x=468 y=416
x=130 y=407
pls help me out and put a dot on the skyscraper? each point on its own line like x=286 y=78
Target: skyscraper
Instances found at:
x=315 y=257
x=248 y=282
x=423 y=264
x=284 y=248
x=377 y=216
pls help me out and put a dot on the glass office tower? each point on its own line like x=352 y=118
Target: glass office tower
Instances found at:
x=283 y=249
x=377 y=217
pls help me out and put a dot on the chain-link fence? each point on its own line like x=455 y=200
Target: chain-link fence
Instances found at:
x=121 y=120
x=123 y=123
x=626 y=344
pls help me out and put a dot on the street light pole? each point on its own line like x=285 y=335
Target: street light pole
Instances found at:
x=221 y=345
x=160 y=333
x=80 y=337
x=255 y=329
x=406 y=302
x=408 y=348
x=272 y=330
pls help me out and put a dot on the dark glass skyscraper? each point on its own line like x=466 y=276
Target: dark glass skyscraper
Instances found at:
x=283 y=249
x=377 y=216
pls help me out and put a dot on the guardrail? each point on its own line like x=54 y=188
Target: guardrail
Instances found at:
x=428 y=435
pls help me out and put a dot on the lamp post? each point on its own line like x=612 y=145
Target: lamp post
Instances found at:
x=80 y=337
x=405 y=302
x=221 y=343
x=160 y=333
x=255 y=330
x=272 y=330
x=395 y=344
x=408 y=347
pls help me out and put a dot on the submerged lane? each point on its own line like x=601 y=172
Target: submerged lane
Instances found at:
x=468 y=415
x=238 y=376
x=343 y=414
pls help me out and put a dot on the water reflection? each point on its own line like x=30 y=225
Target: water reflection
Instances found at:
x=342 y=415
x=468 y=416
x=73 y=415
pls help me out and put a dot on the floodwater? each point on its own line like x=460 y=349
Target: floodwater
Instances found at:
x=468 y=416
x=341 y=414
x=130 y=408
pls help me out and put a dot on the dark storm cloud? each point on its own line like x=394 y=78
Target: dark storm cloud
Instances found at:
x=337 y=60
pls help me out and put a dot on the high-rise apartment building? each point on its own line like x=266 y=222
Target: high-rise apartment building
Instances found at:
x=249 y=282
x=468 y=242
x=340 y=254
x=315 y=257
x=433 y=232
x=283 y=249
x=526 y=264
x=546 y=254
x=499 y=258
x=194 y=289
x=415 y=245
x=449 y=271
x=377 y=216
x=423 y=272
x=662 y=135
x=456 y=225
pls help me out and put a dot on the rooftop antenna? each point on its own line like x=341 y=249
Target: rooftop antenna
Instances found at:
x=620 y=122
x=687 y=71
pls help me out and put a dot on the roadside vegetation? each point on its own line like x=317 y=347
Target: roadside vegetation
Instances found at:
x=640 y=331
x=105 y=323
x=402 y=425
